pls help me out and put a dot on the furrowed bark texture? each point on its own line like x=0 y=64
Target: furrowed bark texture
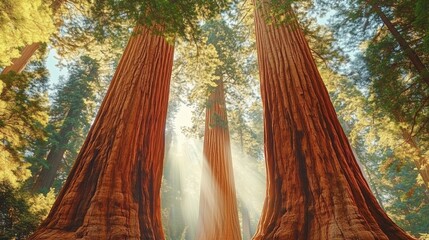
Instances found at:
x=113 y=190
x=315 y=189
x=218 y=215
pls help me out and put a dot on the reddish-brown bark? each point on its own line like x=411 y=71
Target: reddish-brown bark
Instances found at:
x=113 y=190
x=315 y=189
x=218 y=215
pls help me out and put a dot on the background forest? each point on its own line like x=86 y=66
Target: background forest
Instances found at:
x=58 y=56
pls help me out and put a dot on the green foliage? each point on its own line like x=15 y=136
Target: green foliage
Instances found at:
x=228 y=43
x=354 y=21
x=21 y=213
x=399 y=92
x=23 y=23
x=23 y=115
x=79 y=35
x=16 y=218
x=197 y=65
x=383 y=68
x=421 y=20
x=73 y=108
x=169 y=17
x=410 y=205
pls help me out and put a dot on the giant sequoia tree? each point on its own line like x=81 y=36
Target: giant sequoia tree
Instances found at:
x=113 y=189
x=315 y=189
x=218 y=215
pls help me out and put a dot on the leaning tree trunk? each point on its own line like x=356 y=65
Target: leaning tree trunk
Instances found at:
x=45 y=179
x=405 y=46
x=113 y=190
x=18 y=64
x=315 y=189
x=218 y=215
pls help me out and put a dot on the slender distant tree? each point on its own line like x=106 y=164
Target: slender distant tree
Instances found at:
x=218 y=215
x=72 y=111
x=315 y=189
x=188 y=58
x=411 y=54
x=233 y=49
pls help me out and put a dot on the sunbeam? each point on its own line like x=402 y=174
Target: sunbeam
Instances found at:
x=182 y=185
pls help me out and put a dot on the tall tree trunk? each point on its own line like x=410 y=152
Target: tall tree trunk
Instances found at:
x=46 y=177
x=113 y=190
x=315 y=189
x=218 y=215
x=405 y=46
